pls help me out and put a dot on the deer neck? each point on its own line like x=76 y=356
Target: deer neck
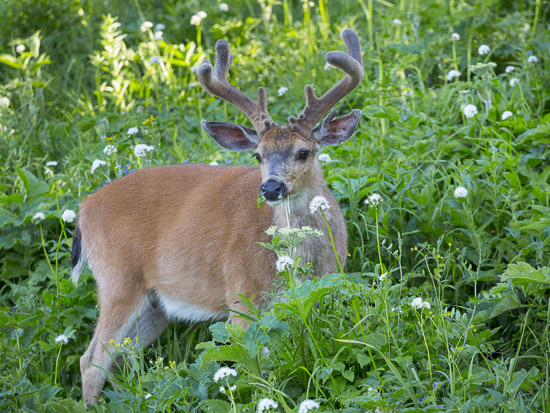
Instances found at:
x=295 y=212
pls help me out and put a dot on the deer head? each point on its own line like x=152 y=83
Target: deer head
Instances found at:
x=287 y=155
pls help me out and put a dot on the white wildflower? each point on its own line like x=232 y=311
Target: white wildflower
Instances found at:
x=373 y=200
x=20 y=48
x=141 y=149
x=507 y=114
x=509 y=69
x=224 y=372
x=160 y=27
x=318 y=203
x=383 y=276
x=308 y=405
x=532 y=59
x=397 y=309
x=213 y=163
x=39 y=215
x=51 y=163
x=232 y=388
x=202 y=14
x=133 y=130
x=158 y=35
x=145 y=25
x=195 y=20
x=460 y=192
x=4 y=102
x=483 y=49
x=155 y=60
x=264 y=352
x=455 y=37
x=526 y=27
x=282 y=90
x=63 y=339
x=373 y=392
x=324 y=157
x=97 y=163
x=109 y=150
x=148 y=396
x=68 y=215
x=266 y=404
x=283 y=262
x=470 y=111
x=514 y=81
x=48 y=171
x=396 y=22
x=224 y=7
x=420 y=304
x=311 y=4
x=452 y=74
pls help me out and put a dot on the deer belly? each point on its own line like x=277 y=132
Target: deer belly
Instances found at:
x=177 y=309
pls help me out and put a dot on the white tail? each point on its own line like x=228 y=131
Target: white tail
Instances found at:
x=181 y=242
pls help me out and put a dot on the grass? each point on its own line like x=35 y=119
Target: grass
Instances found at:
x=352 y=342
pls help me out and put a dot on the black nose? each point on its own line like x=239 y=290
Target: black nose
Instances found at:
x=273 y=190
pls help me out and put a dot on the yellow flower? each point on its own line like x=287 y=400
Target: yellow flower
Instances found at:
x=148 y=120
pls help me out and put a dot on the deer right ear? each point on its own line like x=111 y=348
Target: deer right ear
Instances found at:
x=235 y=138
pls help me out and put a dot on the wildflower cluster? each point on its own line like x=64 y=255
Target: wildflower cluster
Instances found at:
x=470 y=111
x=284 y=262
x=224 y=372
x=308 y=405
x=452 y=74
x=287 y=238
x=97 y=163
x=460 y=192
x=419 y=304
x=63 y=339
x=127 y=347
x=318 y=203
x=373 y=200
x=197 y=18
x=141 y=149
x=324 y=157
x=68 y=215
x=266 y=404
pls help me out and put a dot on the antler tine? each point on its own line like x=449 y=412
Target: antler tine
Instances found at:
x=215 y=82
x=352 y=65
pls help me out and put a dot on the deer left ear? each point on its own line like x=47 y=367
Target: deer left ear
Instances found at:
x=333 y=131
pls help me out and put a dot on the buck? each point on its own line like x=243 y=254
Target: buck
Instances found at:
x=181 y=242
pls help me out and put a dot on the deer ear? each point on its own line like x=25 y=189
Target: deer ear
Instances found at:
x=232 y=137
x=333 y=131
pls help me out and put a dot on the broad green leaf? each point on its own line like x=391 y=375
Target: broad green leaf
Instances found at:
x=387 y=113
x=10 y=61
x=215 y=406
x=523 y=273
x=33 y=186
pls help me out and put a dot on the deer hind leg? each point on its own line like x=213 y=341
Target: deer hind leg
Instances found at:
x=118 y=309
x=150 y=324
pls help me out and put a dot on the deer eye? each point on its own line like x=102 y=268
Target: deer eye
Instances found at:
x=257 y=156
x=303 y=154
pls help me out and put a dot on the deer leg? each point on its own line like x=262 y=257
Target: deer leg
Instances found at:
x=150 y=324
x=116 y=316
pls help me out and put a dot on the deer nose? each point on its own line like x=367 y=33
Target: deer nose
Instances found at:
x=273 y=190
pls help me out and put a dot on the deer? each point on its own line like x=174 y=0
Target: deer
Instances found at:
x=181 y=242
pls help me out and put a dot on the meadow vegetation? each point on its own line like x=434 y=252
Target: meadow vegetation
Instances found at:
x=443 y=304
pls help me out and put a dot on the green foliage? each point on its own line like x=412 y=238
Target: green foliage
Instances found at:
x=444 y=302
